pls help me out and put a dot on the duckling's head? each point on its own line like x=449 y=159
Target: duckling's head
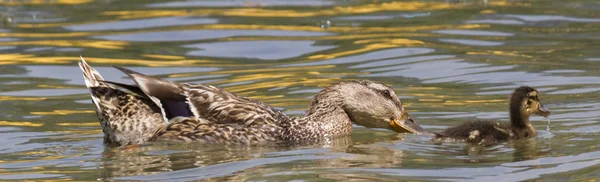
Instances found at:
x=370 y=104
x=524 y=102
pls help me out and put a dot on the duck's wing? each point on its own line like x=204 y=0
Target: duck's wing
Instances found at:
x=125 y=118
x=200 y=130
x=133 y=88
x=207 y=102
x=223 y=107
x=168 y=96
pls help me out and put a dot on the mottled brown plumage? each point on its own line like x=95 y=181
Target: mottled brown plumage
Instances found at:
x=156 y=109
x=524 y=102
x=125 y=118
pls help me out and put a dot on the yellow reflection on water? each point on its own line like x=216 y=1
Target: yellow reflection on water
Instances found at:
x=99 y=44
x=487 y=11
x=260 y=12
x=485 y=101
x=406 y=42
x=157 y=56
x=61 y=112
x=41 y=25
x=20 y=123
x=381 y=44
x=362 y=30
x=501 y=53
x=454 y=103
x=254 y=70
x=47 y=35
x=26 y=58
x=429 y=95
x=337 y=29
x=508 y=3
x=79 y=124
x=367 y=48
x=332 y=11
x=292 y=81
x=421 y=88
x=38 y=2
x=10 y=98
x=430 y=100
x=465 y=102
x=250 y=77
x=82 y=132
x=55 y=86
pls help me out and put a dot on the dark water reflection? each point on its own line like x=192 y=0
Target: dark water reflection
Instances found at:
x=448 y=60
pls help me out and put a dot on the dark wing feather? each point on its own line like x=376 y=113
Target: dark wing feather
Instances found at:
x=167 y=95
x=133 y=88
x=155 y=87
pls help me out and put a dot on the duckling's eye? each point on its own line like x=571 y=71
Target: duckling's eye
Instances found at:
x=528 y=102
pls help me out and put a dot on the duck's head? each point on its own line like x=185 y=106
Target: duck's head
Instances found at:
x=370 y=104
x=524 y=102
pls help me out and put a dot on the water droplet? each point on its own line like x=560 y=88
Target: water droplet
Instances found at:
x=325 y=24
x=548 y=124
x=550 y=134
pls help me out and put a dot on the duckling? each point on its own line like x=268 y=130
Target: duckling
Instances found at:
x=155 y=109
x=523 y=102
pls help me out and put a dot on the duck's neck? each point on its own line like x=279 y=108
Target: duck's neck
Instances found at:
x=331 y=115
x=518 y=118
x=325 y=119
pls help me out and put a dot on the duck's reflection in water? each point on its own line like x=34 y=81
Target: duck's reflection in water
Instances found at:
x=528 y=149
x=228 y=162
x=523 y=149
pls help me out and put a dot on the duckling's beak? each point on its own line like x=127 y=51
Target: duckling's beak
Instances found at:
x=405 y=124
x=542 y=111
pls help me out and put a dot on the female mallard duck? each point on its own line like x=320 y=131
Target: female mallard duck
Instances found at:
x=157 y=109
x=523 y=103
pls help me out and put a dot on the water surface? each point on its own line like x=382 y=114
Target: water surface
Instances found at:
x=450 y=61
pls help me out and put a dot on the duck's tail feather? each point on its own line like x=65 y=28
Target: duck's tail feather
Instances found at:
x=93 y=80
x=125 y=118
x=133 y=88
x=169 y=96
x=90 y=75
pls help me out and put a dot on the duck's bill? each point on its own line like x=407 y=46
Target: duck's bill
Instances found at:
x=405 y=124
x=542 y=111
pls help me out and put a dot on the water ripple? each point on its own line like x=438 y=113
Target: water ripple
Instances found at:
x=266 y=50
x=141 y=24
x=191 y=35
x=449 y=61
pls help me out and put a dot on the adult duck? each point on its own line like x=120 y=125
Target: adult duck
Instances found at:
x=155 y=109
x=523 y=102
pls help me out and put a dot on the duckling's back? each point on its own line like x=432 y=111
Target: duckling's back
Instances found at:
x=478 y=132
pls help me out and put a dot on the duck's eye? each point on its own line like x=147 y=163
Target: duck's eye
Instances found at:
x=387 y=93
x=528 y=102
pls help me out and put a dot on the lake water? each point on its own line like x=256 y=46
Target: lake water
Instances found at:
x=450 y=61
